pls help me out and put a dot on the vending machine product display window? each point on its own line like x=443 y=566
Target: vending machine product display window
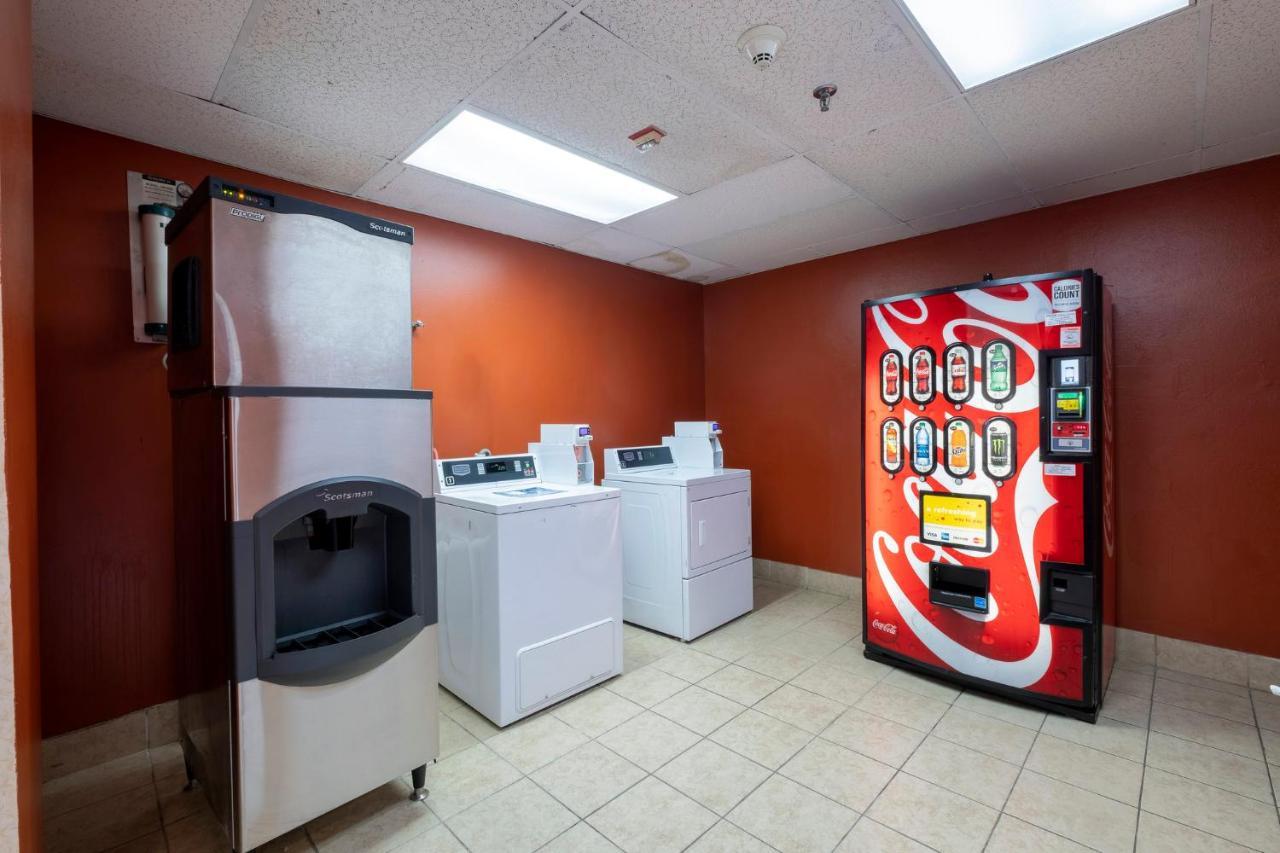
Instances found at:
x=921 y=364
x=999 y=371
x=957 y=366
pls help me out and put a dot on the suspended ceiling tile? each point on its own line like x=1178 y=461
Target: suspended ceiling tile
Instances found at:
x=425 y=192
x=677 y=263
x=722 y=274
x=1147 y=173
x=755 y=248
x=179 y=44
x=937 y=160
x=852 y=43
x=1240 y=150
x=375 y=76
x=584 y=88
x=610 y=244
x=840 y=245
x=1243 y=97
x=779 y=189
x=88 y=96
x=976 y=213
x=1122 y=102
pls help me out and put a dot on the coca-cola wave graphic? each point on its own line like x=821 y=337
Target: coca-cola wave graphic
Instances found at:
x=1036 y=514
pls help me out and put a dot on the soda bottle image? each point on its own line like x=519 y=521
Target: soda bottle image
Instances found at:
x=892 y=444
x=923 y=375
x=958 y=446
x=923 y=445
x=959 y=374
x=998 y=380
x=891 y=378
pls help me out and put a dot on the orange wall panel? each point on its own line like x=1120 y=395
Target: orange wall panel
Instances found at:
x=17 y=289
x=1194 y=265
x=516 y=334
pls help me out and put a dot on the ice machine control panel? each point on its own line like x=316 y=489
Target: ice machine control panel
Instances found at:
x=1070 y=406
x=486 y=470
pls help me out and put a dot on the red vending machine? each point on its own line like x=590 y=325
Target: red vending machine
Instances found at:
x=988 y=487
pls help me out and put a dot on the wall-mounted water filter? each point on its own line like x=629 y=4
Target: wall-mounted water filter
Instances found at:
x=155 y=267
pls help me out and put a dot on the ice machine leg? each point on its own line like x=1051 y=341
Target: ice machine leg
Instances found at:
x=419 y=784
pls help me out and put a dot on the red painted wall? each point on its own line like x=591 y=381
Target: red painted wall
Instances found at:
x=16 y=308
x=516 y=334
x=1194 y=265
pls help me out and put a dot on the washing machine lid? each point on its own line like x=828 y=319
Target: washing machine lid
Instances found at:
x=524 y=497
x=677 y=476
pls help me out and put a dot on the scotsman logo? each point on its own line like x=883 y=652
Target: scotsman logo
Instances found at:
x=388 y=229
x=888 y=627
x=328 y=496
x=248 y=214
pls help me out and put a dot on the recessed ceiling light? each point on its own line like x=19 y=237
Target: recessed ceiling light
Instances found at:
x=981 y=40
x=479 y=150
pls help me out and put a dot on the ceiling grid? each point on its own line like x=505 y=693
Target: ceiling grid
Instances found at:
x=337 y=94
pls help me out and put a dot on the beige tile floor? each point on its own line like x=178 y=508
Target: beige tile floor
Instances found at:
x=774 y=733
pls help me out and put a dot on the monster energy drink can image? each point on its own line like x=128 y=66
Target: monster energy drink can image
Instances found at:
x=999 y=450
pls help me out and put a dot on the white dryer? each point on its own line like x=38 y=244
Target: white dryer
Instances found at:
x=686 y=540
x=530 y=585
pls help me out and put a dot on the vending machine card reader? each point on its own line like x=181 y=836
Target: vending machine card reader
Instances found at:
x=1069 y=409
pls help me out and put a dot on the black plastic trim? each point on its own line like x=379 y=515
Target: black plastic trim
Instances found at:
x=280 y=203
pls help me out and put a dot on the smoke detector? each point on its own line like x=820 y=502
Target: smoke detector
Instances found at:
x=761 y=44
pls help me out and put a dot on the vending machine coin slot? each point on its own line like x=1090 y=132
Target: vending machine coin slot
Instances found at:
x=1066 y=594
x=959 y=587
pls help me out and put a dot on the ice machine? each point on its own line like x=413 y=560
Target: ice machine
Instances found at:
x=304 y=517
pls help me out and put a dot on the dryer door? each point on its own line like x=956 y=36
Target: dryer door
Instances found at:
x=719 y=528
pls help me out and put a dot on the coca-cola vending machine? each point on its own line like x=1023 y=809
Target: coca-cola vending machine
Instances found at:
x=988 y=487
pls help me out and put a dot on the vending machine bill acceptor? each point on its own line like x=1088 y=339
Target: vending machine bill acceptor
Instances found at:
x=989 y=539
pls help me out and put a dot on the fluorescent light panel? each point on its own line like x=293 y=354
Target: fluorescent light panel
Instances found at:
x=478 y=150
x=984 y=39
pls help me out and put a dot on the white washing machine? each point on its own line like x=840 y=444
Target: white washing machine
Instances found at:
x=686 y=533
x=530 y=585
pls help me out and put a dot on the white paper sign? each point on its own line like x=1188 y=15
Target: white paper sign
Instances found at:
x=1059 y=470
x=1066 y=295
x=1070 y=337
x=1060 y=318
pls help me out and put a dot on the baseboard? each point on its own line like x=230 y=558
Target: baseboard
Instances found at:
x=1133 y=648
x=97 y=744
x=815 y=579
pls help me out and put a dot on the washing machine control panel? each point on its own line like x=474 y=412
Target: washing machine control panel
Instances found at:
x=486 y=470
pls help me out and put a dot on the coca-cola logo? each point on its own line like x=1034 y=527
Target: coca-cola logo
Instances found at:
x=887 y=627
